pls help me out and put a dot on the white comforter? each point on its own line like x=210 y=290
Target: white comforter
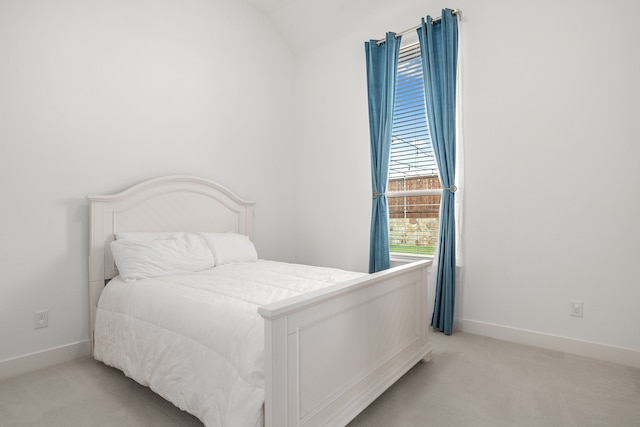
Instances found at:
x=197 y=339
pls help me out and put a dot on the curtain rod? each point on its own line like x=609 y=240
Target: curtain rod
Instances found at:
x=408 y=30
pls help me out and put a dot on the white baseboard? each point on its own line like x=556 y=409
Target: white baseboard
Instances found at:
x=43 y=359
x=623 y=356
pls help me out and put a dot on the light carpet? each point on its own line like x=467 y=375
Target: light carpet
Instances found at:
x=470 y=381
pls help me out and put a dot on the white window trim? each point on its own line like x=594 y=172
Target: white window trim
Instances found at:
x=410 y=193
x=407 y=258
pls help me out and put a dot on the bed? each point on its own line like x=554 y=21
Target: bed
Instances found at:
x=326 y=351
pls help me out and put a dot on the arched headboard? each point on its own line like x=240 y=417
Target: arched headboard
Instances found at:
x=169 y=203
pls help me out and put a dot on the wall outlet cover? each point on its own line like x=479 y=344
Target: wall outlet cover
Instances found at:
x=576 y=308
x=40 y=319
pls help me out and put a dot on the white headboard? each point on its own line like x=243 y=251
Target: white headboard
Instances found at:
x=170 y=203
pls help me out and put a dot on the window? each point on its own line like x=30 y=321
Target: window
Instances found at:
x=414 y=188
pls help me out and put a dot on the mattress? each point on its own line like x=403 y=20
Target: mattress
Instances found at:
x=197 y=339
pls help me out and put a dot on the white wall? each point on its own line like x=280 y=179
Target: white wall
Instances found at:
x=550 y=99
x=96 y=96
x=551 y=105
x=332 y=128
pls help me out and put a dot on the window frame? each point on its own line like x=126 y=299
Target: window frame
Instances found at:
x=401 y=256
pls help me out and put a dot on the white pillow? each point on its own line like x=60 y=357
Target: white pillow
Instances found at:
x=230 y=247
x=174 y=254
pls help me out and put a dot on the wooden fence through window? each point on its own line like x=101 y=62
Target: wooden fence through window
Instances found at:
x=414 y=206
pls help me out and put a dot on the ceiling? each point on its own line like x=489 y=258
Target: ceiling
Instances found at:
x=268 y=6
x=306 y=24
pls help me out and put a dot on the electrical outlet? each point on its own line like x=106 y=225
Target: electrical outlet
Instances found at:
x=40 y=319
x=575 y=308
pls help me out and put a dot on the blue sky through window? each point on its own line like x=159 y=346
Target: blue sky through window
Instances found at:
x=411 y=150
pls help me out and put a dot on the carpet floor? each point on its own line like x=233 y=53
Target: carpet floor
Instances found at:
x=470 y=381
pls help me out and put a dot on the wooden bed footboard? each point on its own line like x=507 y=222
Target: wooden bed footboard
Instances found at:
x=330 y=353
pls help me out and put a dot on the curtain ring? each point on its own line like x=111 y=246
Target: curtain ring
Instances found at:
x=376 y=195
x=453 y=188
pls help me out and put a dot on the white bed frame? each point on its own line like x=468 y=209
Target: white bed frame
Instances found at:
x=329 y=353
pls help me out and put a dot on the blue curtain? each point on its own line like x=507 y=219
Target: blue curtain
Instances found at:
x=382 y=67
x=439 y=52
